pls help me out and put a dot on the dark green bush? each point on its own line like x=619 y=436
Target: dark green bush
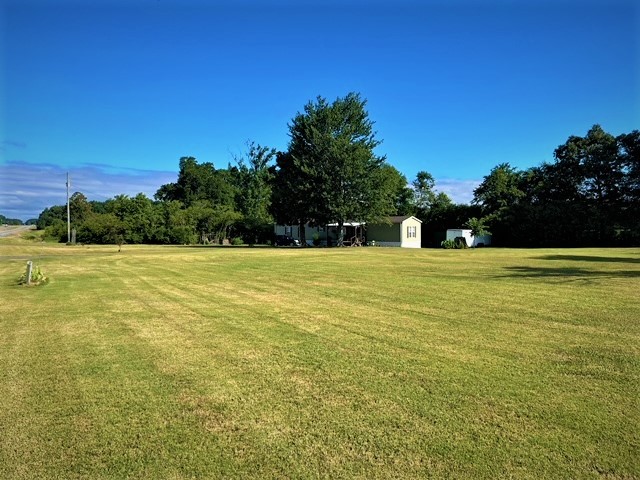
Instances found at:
x=461 y=243
x=448 y=244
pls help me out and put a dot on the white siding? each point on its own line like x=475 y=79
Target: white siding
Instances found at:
x=466 y=233
x=405 y=230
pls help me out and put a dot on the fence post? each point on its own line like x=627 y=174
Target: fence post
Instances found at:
x=29 y=269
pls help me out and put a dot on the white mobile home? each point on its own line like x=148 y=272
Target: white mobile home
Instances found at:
x=398 y=231
x=326 y=235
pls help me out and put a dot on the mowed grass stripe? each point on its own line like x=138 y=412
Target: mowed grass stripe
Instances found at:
x=98 y=408
x=368 y=363
x=263 y=367
x=173 y=277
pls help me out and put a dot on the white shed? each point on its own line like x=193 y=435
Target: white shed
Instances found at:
x=480 y=240
x=400 y=231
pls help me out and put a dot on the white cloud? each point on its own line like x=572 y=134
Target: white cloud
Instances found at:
x=26 y=189
x=460 y=191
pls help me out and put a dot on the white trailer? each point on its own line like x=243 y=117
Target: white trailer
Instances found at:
x=480 y=240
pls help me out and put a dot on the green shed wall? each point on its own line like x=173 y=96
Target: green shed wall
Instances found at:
x=384 y=233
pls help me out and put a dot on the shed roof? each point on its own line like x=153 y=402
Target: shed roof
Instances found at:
x=401 y=218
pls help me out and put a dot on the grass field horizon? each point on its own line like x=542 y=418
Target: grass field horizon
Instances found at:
x=197 y=362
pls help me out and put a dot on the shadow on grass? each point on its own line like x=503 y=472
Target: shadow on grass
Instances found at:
x=569 y=274
x=258 y=246
x=225 y=246
x=587 y=258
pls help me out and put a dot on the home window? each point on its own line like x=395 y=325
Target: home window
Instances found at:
x=288 y=230
x=412 y=231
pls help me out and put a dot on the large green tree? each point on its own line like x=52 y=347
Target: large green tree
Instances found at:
x=101 y=228
x=79 y=208
x=396 y=194
x=629 y=144
x=498 y=195
x=142 y=220
x=199 y=181
x=207 y=202
x=55 y=214
x=332 y=153
x=426 y=197
x=292 y=187
x=253 y=180
x=593 y=173
x=587 y=197
x=499 y=189
x=424 y=190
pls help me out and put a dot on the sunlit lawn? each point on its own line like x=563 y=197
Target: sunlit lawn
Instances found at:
x=186 y=362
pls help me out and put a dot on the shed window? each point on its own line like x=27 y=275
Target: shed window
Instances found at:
x=412 y=231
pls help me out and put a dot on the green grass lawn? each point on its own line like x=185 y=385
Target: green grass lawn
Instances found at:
x=186 y=362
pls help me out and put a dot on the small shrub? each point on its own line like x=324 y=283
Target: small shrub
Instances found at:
x=56 y=232
x=237 y=241
x=448 y=244
x=316 y=239
x=458 y=243
x=461 y=243
x=37 y=277
x=33 y=236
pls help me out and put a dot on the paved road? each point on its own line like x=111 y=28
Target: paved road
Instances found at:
x=11 y=231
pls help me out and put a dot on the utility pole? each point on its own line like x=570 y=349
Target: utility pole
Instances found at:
x=68 y=213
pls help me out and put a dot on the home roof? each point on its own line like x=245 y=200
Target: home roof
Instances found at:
x=347 y=224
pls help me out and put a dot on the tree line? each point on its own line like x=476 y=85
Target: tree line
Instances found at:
x=10 y=221
x=589 y=195
x=330 y=173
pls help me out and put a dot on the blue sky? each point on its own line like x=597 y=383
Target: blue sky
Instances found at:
x=116 y=91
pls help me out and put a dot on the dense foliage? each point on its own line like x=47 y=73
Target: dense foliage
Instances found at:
x=337 y=174
x=329 y=173
x=589 y=196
